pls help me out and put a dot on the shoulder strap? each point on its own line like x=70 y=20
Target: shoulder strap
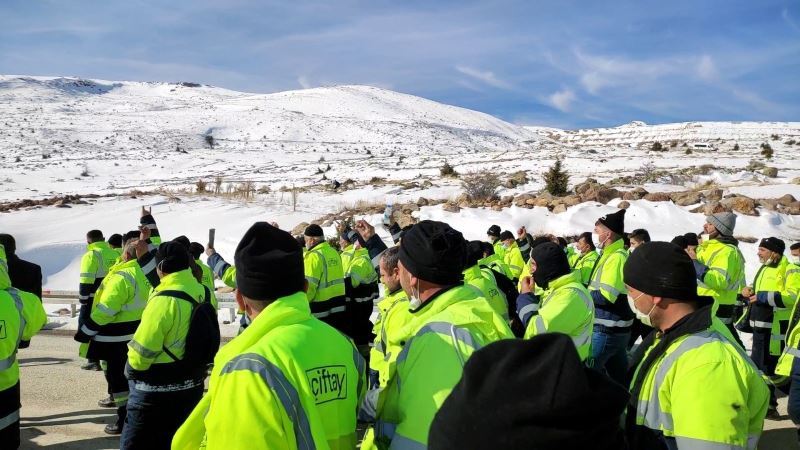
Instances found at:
x=186 y=297
x=178 y=294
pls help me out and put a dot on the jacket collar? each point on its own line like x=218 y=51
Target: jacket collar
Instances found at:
x=563 y=280
x=287 y=310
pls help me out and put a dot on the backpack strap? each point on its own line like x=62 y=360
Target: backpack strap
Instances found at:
x=185 y=297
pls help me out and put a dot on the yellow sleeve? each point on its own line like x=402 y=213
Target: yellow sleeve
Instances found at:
x=34 y=314
x=313 y=269
x=109 y=299
x=148 y=341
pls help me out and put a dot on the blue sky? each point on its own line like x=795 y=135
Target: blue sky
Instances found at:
x=561 y=63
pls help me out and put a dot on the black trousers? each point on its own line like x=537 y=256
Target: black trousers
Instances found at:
x=154 y=417
x=764 y=361
x=117 y=383
x=9 y=417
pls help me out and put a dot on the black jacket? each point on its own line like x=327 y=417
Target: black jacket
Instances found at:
x=25 y=276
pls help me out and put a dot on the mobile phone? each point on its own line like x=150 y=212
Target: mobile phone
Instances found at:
x=211 y=233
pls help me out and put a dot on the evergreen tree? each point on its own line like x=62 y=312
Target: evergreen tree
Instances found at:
x=556 y=179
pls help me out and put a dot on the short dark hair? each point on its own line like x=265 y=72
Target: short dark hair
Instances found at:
x=196 y=249
x=488 y=249
x=8 y=242
x=640 y=234
x=587 y=237
x=562 y=242
x=133 y=234
x=95 y=236
x=390 y=257
x=795 y=246
x=115 y=240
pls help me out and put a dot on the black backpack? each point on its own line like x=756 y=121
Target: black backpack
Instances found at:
x=203 y=337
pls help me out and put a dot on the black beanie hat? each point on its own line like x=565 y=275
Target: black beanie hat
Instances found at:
x=493 y=230
x=506 y=235
x=269 y=264
x=773 y=244
x=691 y=239
x=172 y=257
x=313 y=230
x=434 y=252
x=474 y=253
x=496 y=406
x=661 y=269
x=614 y=221
x=680 y=241
x=551 y=263
x=184 y=241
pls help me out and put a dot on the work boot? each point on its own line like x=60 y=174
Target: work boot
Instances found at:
x=91 y=365
x=113 y=429
x=107 y=402
x=772 y=414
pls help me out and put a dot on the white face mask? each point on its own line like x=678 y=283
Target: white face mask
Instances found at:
x=705 y=237
x=794 y=260
x=644 y=318
x=597 y=242
x=414 y=301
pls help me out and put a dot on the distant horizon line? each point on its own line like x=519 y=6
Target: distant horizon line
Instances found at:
x=335 y=85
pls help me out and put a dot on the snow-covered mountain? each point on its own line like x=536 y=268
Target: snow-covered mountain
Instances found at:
x=160 y=133
x=70 y=135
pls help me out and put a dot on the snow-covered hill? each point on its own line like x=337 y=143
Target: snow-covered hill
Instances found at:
x=714 y=136
x=132 y=134
x=69 y=135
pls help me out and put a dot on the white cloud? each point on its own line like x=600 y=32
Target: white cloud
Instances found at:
x=706 y=69
x=562 y=100
x=487 y=77
x=303 y=82
x=788 y=19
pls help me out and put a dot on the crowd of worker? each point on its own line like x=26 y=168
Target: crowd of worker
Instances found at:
x=605 y=340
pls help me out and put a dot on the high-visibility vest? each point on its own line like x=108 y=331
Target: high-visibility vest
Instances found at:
x=21 y=317
x=325 y=276
x=95 y=264
x=584 y=264
x=496 y=263
x=164 y=324
x=724 y=278
x=208 y=281
x=611 y=309
x=483 y=279
x=702 y=392
x=118 y=305
x=499 y=249
x=444 y=332
x=792 y=347
x=514 y=260
x=393 y=315
x=566 y=307
x=288 y=381
x=769 y=288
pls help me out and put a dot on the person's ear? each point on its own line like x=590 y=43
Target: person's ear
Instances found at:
x=658 y=301
x=240 y=301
